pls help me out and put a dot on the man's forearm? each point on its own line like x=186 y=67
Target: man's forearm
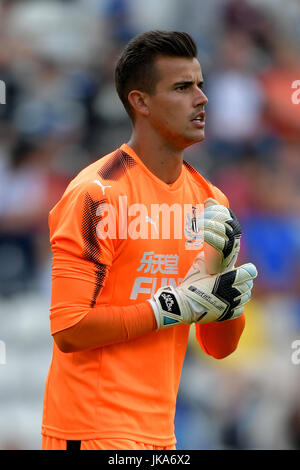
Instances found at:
x=105 y=325
x=75 y=325
x=220 y=339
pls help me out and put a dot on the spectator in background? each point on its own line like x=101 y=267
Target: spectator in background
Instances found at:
x=241 y=16
x=118 y=19
x=281 y=114
x=11 y=84
x=28 y=190
x=45 y=107
x=235 y=100
x=265 y=194
x=238 y=178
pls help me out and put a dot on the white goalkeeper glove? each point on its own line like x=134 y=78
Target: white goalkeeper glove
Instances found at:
x=204 y=299
x=222 y=231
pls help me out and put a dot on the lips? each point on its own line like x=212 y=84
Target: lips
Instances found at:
x=199 y=117
x=199 y=120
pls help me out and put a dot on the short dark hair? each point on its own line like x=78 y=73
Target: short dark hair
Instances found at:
x=135 y=68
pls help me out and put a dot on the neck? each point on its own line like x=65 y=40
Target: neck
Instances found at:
x=159 y=156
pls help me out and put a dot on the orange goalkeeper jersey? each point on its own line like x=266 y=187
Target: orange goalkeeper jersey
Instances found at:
x=121 y=233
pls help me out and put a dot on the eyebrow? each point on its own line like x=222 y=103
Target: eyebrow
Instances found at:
x=188 y=82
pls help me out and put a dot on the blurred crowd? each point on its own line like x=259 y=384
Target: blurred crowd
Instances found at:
x=62 y=113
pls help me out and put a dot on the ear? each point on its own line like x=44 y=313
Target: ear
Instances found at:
x=138 y=101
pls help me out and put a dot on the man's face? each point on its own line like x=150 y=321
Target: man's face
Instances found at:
x=176 y=109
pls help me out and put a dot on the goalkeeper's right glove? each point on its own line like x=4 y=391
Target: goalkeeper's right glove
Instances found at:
x=204 y=299
x=222 y=231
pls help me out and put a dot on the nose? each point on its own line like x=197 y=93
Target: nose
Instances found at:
x=200 y=97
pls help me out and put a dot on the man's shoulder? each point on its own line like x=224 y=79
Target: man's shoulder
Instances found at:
x=103 y=175
x=204 y=184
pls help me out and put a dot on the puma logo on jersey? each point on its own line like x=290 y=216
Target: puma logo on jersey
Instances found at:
x=101 y=186
x=148 y=219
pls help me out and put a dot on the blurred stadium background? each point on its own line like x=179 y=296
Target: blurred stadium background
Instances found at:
x=62 y=112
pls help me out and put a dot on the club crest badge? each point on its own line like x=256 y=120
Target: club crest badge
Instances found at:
x=193 y=230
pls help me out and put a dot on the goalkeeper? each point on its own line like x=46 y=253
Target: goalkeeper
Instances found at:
x=123 y=294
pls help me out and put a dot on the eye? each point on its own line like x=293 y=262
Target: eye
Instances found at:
x=182 y=87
